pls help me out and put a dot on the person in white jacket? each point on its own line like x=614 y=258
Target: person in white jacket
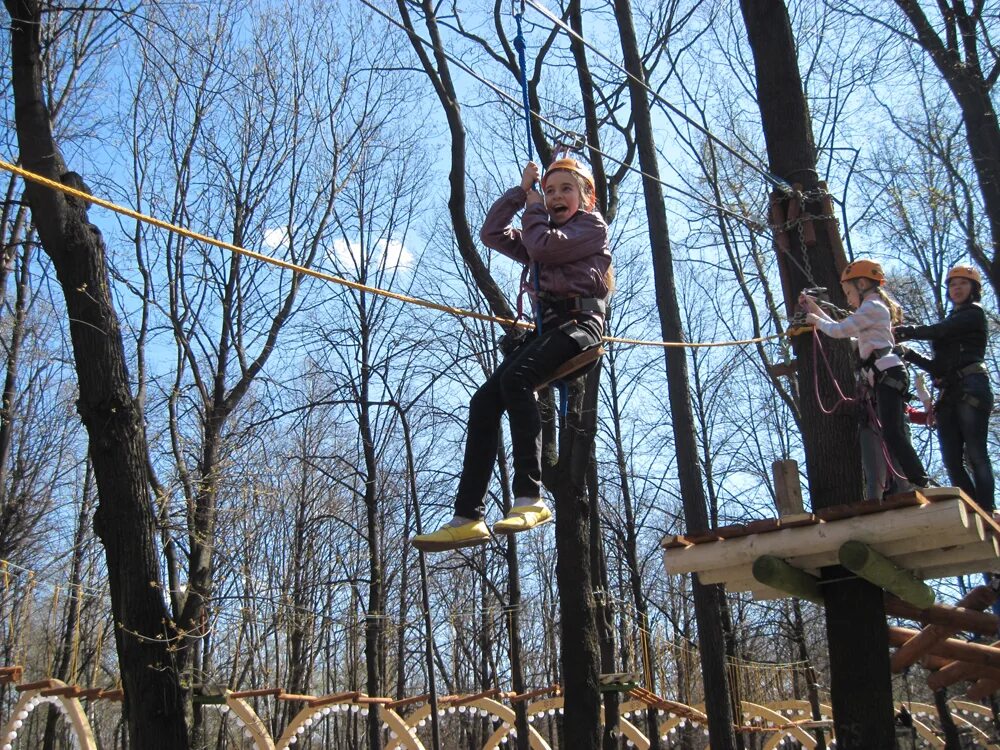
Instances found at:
x=871 y=324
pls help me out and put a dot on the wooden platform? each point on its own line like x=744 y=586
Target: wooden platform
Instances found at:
x=933 y=533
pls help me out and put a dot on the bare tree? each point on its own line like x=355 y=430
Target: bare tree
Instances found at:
x=154 y=703
x=957 y=37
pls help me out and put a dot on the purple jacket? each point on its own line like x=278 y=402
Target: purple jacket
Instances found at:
x=571 y=259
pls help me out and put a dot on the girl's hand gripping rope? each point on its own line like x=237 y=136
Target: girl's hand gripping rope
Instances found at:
x=811 y=308
x=529 y=177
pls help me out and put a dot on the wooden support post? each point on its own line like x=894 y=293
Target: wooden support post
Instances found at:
x=865 y=562
x=777 y=216
x=777 y=574
x=787 y=488
x=565 y=460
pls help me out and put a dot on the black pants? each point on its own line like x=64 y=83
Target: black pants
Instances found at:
x=511 y=388
x=890 y=392
x=963 y=419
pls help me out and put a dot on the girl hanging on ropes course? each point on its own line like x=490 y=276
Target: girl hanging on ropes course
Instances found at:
x=871 y=325
x=563 y=241
x=962 y=412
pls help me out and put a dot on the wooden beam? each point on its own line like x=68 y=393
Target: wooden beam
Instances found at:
x=422 y=698
x=865 y=562
x=473 y=697
x=948 y=571
x=965 y=616
x=258 y=693
x=532 y=694
x=903 y=523
x=955 y=671
x=328 y=700
x=950 y=648
x=909 y=652
x=935 y=557
x=953 y=535
x=777 y=574
x=983 y=689
x=40 y=685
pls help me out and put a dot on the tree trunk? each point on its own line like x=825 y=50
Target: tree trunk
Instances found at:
x=706 y=598
x=375 y=620
x=65 y=669
x=812 y=686
x=855 y=614
x=513 y=615
x=154 y=704
x=566 y=478
x=630 y=543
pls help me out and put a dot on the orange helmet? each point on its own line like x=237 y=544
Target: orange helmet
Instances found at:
x=567 y=164
x=863 y=269
x=964 y=272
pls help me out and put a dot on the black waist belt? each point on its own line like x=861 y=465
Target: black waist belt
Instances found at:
x=877 y=354
x=976 y=368
x=572 y=305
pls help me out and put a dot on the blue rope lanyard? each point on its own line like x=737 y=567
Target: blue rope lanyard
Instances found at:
x=520 y=46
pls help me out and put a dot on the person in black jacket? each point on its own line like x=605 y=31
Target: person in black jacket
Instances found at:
x=963 y=408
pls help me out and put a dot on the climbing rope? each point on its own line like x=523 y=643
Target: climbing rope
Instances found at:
x=324 y=276
x=749 y=221
x=779 y=183
x=841 y=398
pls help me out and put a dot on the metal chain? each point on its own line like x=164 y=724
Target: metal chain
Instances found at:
x=805 y=252
x=798 y=225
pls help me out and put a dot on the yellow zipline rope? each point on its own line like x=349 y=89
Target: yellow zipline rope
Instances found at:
x=457 y=311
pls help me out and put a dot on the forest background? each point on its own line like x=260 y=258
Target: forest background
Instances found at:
x=292 y=424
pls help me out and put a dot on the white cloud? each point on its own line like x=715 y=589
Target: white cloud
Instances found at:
x=395 y=254
x=346 y=253
x=275 y=238
x=390 y=253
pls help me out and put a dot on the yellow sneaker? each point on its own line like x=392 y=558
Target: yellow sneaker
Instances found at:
x=450 y=536
x=527 y=513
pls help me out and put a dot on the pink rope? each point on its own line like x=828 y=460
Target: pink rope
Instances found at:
x=876 y=424
x=841 y=398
